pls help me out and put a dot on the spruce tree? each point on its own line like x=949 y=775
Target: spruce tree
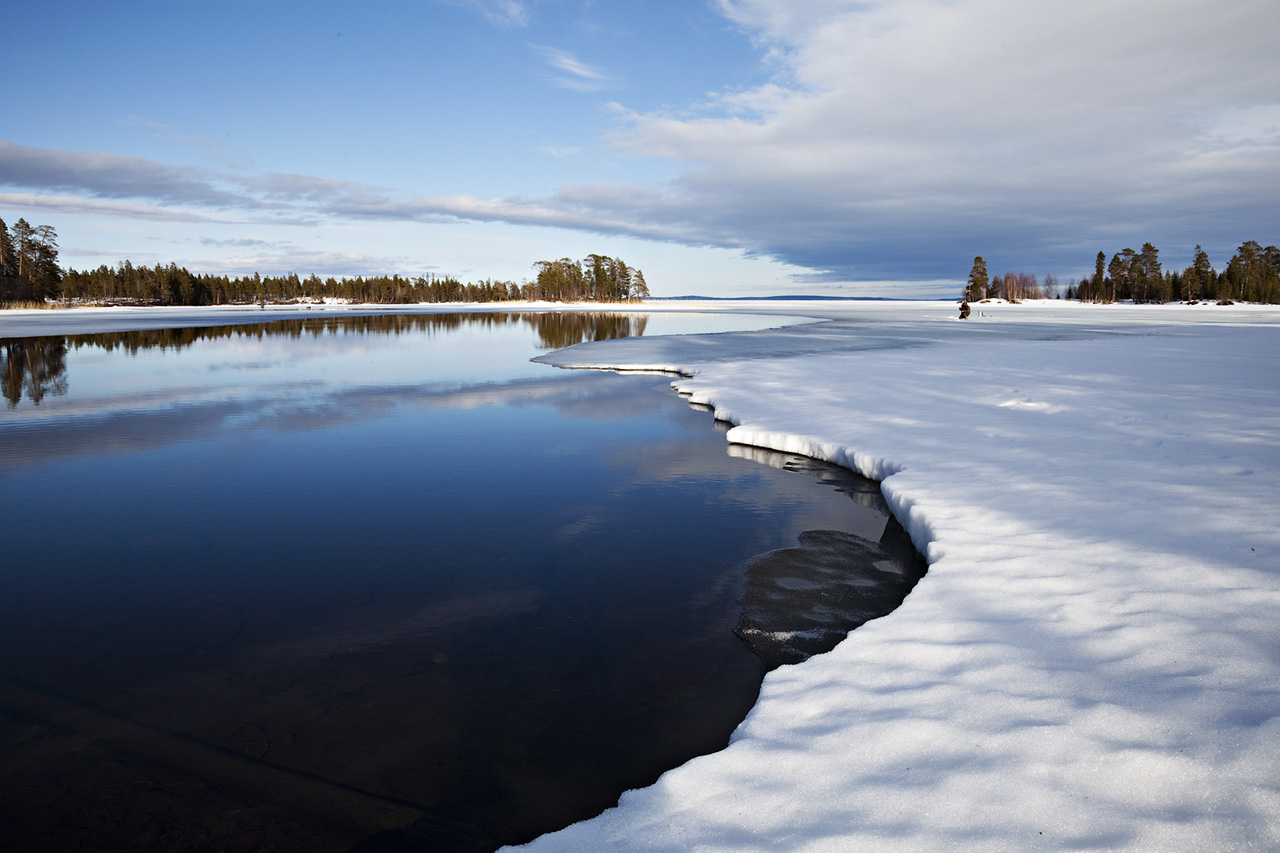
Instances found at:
x=976 y=289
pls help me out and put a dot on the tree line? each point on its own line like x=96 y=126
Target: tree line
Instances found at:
x=175 y=285
x=1252 y=275
x=29 y=274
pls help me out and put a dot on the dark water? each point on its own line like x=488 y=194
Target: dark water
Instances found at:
x=381 y=584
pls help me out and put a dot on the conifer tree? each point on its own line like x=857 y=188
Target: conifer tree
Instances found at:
x=639 y=290
x=8 y=265
x=46 y=274
x=8 y=256
x=976 y=288
x=23 y=243
x=1197 y=278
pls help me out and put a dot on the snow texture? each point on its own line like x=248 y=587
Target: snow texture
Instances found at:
x=1093 y=660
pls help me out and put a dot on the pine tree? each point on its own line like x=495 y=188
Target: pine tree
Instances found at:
x=639 y=290
x=46 y=274
x=8 y=266
x=24 y=244
x=1149 y=282
x=1120 y=272
x=1198 y=277
x=976 y=289
x=8 y=256
x=1253 y=274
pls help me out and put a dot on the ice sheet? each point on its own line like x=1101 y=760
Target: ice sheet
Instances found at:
x=1093 y=660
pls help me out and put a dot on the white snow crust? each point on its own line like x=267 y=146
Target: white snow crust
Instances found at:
x=1093 y=660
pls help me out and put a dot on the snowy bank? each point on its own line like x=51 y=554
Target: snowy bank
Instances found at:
x=1093 y=661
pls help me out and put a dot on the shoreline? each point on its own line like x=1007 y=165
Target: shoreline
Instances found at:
x=1090 y=661
x=31 y=322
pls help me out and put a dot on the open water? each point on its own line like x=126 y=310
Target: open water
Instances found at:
x=382 y=584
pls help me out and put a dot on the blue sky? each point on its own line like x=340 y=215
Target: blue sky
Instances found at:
x=726 y=147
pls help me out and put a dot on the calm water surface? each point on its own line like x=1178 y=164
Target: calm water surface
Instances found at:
x=371 y=583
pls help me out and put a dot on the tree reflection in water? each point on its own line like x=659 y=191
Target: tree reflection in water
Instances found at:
x=36 y=367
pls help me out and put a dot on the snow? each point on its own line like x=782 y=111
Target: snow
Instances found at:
x=1093 y=660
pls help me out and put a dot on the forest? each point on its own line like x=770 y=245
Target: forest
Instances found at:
x=30 y=276
x=1252 y=275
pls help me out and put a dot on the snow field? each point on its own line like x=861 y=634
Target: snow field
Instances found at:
x=1092 y=662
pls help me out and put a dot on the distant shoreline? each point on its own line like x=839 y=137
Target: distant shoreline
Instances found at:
x=33 y=322
x=30 y=322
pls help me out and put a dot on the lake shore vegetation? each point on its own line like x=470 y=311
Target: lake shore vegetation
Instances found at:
x=30 y=277
x=1252 y=275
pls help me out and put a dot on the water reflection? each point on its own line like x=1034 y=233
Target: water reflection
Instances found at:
x=36 y=367
x=164 y=418
x=318 y=587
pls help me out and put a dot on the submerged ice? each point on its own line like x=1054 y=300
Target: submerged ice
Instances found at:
x=802 y=601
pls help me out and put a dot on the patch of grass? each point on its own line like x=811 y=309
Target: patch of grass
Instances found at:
x=46 y=305
x=29 y=303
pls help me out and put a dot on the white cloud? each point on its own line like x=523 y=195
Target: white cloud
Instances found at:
x=980 y=123
x=501 y=13
x=112 y=176
x=571 y=72
x=561 y=152
x=73 y=205
x=287 y=258
x=1245 y=127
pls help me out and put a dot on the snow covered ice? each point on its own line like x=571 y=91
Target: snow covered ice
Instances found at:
x=1092 y=661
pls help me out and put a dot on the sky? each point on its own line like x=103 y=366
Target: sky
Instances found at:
x=724 y=147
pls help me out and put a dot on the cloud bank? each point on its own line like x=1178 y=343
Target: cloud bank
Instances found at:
x=904 y=135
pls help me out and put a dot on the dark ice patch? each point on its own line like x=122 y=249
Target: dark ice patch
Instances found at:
x=802 y=601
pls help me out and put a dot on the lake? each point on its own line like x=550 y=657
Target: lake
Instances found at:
x=381 y=583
